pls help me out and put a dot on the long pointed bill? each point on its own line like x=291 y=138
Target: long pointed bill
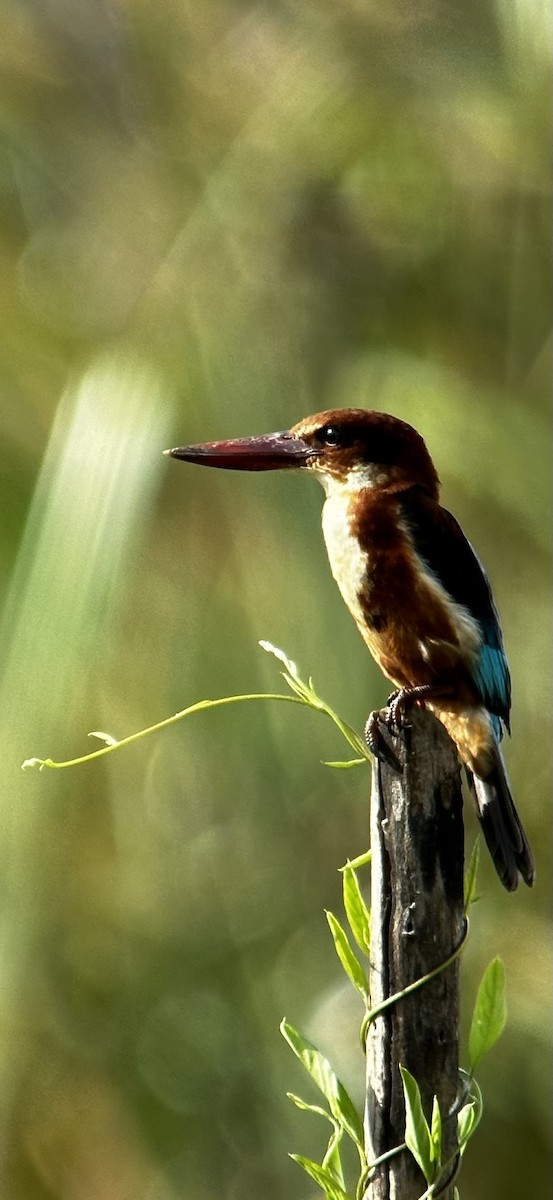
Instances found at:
x=270 y=453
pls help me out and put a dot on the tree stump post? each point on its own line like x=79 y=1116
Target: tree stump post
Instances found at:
x=417 y=922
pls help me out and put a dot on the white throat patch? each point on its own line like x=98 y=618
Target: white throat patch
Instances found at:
x=364 y=475
x=348 y=562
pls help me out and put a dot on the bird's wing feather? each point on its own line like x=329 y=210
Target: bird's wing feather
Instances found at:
x=440 y=542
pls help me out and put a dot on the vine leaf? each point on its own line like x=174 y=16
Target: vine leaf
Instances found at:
x=490 y=1012
x=331 y=1160
x=318 y=1067
x=358 y=915
x=348 y=959
x=469 y=1116
x=417 y=1134
x=436 y=1135
x=322 y=1176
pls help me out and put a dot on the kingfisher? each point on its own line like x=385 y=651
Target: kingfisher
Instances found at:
x=414 y=587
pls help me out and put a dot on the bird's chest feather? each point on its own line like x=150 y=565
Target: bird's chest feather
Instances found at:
x=350 y=563
x=405 y=617
x=360 y=570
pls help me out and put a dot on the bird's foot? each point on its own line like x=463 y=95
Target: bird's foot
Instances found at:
x=401 y=701
x=378 y=721
x=396 y=710
x=393 y=719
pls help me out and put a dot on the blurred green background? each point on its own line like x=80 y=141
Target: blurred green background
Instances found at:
x=217 y=218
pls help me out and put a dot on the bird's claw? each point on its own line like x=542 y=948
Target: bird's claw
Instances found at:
x=393 y=719
x=376 y=741
x=396 y=711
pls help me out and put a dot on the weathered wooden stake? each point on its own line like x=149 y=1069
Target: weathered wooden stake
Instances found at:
x=416 y=922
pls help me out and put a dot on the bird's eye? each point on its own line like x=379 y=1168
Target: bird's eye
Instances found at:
x=329 y=435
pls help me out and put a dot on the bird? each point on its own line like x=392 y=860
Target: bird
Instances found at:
x=415 y=588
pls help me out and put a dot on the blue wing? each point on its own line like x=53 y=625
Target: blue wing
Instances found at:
x=492 y=676
x=439 y=540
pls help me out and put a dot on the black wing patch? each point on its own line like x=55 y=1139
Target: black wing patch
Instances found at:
x=439 y=540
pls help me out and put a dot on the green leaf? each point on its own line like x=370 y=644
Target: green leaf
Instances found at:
x=331 y=1158
x=466 y=1124
x=282 y=657
x=490 y=1012
x=307 y=694
x=320 y=1070
x=107 y=738
x=362 y=860
x=312 y=1108
x=470 y=876
x=348 y=959
x=292 y=676
x=417 y=1133
x=332 y=1161
x=323 y=1177
x=358 y=915
x=344 y=766
x=470 y=1115
x=436 y=1135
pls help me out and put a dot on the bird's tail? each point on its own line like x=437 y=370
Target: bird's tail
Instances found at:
x=501 y=825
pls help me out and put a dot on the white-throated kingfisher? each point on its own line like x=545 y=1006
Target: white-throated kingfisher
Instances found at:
x=414 y=586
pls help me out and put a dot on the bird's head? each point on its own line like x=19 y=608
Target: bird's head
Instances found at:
x=351 y=448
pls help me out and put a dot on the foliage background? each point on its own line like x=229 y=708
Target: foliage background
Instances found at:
x=218 y=217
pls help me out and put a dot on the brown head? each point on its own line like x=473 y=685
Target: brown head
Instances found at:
x=351 y=447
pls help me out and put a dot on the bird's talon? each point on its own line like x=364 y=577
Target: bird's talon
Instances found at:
x=397 y=711
x=376 y=741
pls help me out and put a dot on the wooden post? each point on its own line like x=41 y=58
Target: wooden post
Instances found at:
x=417 y=921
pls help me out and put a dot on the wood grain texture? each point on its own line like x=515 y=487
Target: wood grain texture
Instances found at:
x=416 y=922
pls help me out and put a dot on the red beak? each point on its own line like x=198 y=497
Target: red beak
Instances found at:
x=269 y=453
